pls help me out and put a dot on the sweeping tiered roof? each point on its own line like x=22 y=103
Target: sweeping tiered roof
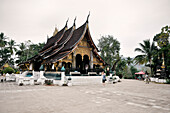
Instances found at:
x=65 y=42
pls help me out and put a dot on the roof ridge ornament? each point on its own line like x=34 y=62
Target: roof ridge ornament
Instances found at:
x=67 y=22
x=74 y=24
x=47 y=37
x=88 y=17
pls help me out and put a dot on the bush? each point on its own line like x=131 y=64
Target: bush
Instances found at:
x=18 y=72
x=168 y=81
x=1 y=72
x=48 y=82
x=9 y=70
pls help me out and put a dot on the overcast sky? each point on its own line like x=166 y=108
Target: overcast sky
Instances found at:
x=130 y=21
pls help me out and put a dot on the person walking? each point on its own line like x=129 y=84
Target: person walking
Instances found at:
x=147 y=78
x=103 y=78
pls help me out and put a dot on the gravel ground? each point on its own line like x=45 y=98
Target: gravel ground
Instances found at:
x=127 y=96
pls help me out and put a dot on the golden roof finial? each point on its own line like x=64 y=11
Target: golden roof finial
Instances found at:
x=55 y=31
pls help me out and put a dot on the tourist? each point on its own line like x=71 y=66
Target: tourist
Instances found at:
x=147 y=78
x=103 y=77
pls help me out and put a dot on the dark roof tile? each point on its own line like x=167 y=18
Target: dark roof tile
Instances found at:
x=77 y=35
x=54 y=39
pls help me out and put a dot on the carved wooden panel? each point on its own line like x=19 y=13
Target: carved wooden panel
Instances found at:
x=83 y=51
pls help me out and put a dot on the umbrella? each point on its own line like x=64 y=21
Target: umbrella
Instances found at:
x=140 y=73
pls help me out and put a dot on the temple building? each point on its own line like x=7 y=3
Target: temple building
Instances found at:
x=72 y=48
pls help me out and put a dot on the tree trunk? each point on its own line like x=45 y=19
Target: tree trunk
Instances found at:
x=150 y=66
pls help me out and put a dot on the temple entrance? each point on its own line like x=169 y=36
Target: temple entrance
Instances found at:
x=79 y=63
x=85 y=64
x=36 y=65
x=82 y=66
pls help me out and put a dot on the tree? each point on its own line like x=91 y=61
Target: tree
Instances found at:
x=8 y=70
x=3 y=41
x=4 y=52
x=162 y=40
x=129 y=60
x=115 y=62
x=21 y=53
x=12 y=46
x=133 y=71
x=27 y=50
x=147 y=50
x=121 y=68
x=109 y=49
x=4 y=55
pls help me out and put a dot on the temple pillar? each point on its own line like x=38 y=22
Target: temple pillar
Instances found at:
x=74 y=60
x=91 y=59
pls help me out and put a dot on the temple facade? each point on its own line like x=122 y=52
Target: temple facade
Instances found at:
x=72 y=48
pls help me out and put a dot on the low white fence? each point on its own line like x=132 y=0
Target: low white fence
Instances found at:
x=10 y=77
x=38 y=78
x=84 y=80
x=22 y=79
x=158 y=80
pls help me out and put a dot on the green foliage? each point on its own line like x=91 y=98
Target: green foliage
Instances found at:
x=129 y=60
x=127 y=73
x=3 y=51
x=27 y=50
x=4 y=55
x=121 y=67
x=48 y=82
x=152 y=55
x=168 y=81
x=3 y=41
x=133 y=71
x=23 y=53
x=163 y=38
x=12 y=46
x=148 y=50
x=17 y=71
x=8 y=70
x=110 y=48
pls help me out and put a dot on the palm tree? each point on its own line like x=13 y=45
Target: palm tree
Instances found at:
x=129 y=60
x=4 y=55
x=147 y=51
x=12 y=46
x=3 y=51
x=3 y=41
x=21 y=52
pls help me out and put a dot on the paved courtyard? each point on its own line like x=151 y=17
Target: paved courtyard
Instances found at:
x=128 y=96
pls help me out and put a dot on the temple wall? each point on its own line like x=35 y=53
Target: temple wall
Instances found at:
x=82 y=49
